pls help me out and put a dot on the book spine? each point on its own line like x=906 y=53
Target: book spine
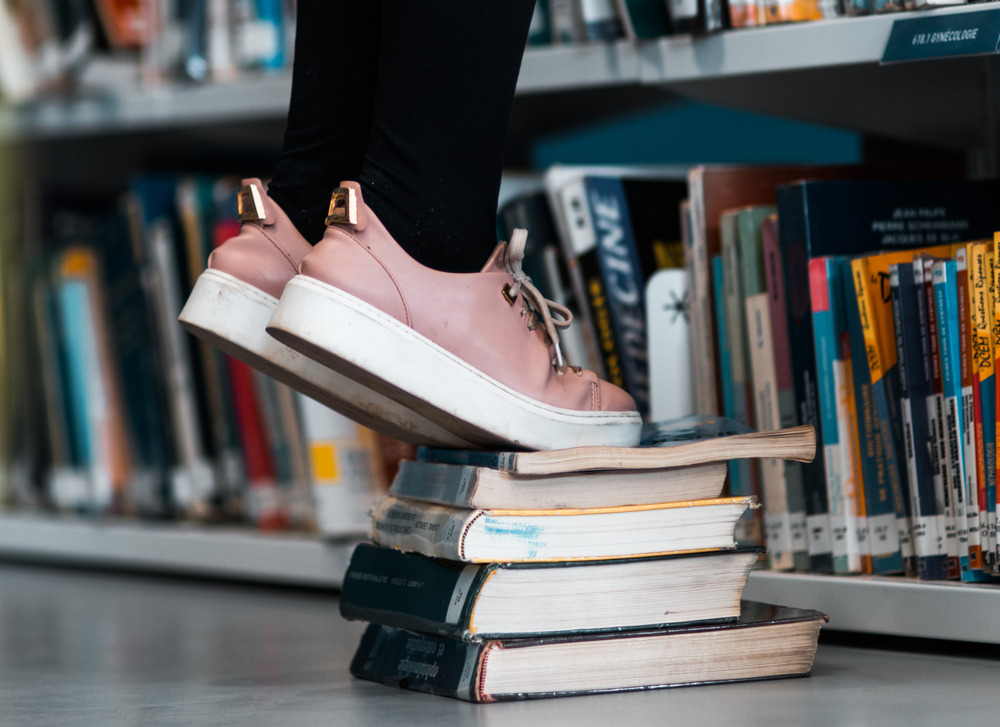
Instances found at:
x=696 y=261
x=981 y=345
x=409 y=591
x=744 y=474
x=875 y=308
x=421 y=662
x=445 y=484
x=939 y=438
x=928 y=540
x=968 y=402
x=785 y=518
x=342 y=469
x=847 y=524
x=995 y=295
x=812 y=474
x=601 y=20
x=434 y=531
x=880 y=505
x=616 y=283
x=578 y=240
x=946 y=300
x=503 y=461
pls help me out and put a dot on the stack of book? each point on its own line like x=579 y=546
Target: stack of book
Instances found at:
x=496 y=576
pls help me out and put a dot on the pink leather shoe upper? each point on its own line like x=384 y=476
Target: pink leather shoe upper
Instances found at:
x=266 y=253
x=467 y=314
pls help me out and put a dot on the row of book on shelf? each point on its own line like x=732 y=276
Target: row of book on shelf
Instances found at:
x=867 y=308
x=48 y=45
x=114 y=409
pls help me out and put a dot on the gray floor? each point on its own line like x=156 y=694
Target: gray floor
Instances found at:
x=85 y=648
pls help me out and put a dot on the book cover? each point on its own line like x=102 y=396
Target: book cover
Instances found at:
x=838 y=426
x=472 y=601
x=767 y=642
x=478 y=536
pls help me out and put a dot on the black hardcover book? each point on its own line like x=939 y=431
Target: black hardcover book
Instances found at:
x=491 y=600
x=766 y=642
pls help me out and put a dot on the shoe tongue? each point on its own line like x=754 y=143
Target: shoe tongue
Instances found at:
x=496 y=261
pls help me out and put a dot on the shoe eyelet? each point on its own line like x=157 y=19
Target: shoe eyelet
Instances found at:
x=505 y=292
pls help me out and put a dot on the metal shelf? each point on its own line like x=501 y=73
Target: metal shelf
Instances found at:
x=886 y=605
x=175 y=548
x=891 y=606
x=827 y=71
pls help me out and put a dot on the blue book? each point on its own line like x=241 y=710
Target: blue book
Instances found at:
x=74 y=313
x=946 y=301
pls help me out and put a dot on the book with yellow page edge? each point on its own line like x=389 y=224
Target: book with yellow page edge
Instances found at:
x=683 y=442
x=478 y=535
x=766 y=642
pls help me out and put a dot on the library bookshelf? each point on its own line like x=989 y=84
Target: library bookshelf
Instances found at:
x=829 y=72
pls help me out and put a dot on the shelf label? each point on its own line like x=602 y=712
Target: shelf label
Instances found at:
x=943 y=36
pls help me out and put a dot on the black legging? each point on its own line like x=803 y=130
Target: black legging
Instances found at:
x=412 y=98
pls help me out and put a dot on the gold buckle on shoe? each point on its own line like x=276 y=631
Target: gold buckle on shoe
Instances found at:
x=249 y=204
x=343 y=207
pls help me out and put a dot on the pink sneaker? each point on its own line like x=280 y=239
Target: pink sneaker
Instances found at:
x=476 y=353
x=233 y=300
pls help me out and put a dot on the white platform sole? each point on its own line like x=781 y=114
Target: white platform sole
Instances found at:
x=369 y=346
x=232 y=315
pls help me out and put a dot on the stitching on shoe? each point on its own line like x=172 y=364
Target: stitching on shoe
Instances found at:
x=279 y=248
x=367 y=249
x=595 y=396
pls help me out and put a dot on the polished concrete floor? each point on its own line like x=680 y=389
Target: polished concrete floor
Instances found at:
x=101 y=649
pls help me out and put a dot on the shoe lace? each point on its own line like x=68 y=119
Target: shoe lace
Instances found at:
x=553 y=315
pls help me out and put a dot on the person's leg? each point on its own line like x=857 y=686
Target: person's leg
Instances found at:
x=330 y=109
x=431 y=172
